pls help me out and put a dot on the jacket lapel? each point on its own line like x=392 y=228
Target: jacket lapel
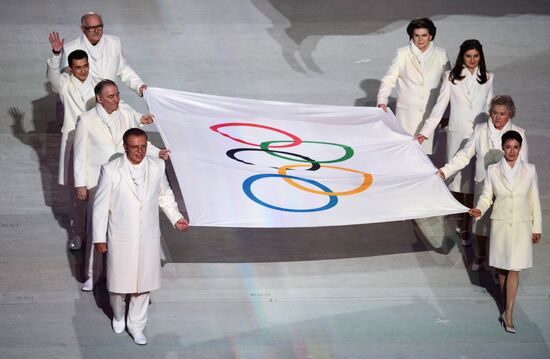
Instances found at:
x=416 y=64
x=127 y=178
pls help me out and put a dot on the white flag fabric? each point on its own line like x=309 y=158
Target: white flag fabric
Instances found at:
x=248 y=163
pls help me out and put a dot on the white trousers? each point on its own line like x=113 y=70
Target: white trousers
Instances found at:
x=137 y=311
x=94 y=259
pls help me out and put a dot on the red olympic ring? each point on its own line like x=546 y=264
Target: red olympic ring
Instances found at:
x=295 y=139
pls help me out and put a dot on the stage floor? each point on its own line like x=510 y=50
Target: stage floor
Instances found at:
x=392 y=290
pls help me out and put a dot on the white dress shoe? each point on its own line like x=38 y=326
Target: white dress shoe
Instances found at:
x=88 y=285
x=119 y=326
x=75 y=243
x=139 y=337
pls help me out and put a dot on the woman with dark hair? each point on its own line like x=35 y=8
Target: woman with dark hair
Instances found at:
x=485 y=145
x=416 y=73
x=511 y=186
x=469 y=88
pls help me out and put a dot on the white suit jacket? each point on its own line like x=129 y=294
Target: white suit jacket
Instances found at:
x=417 y=88
x=479 y=145
x=94 y=145
x=73 y=105
x=515 y=217
x=110 y=65
x=465 y=107
x=130 y=226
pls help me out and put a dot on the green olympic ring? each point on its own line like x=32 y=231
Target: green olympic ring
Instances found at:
x=349 y=151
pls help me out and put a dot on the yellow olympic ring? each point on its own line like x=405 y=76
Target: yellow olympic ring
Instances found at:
x=367 y=180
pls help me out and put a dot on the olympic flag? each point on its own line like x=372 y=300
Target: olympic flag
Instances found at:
x=248 y=163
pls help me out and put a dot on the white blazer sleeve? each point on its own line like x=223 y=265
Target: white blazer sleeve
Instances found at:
x=534 y=200
x=439 y=109
x=167 y=201
x=53 y=73
x=490 y=93
x=100 y=213
x=388 y=82
x=462 y=157
x=127 y=75
x=524 y=153
x=80 y=155
x=485 y=200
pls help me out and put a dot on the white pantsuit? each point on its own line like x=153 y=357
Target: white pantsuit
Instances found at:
x=515 y=217
x=108 y=63
x=417 y=87
x=127 y=219
x=487 y=152
x=469 y=106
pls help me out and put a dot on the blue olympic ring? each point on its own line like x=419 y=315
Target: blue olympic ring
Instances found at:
x=333 y=200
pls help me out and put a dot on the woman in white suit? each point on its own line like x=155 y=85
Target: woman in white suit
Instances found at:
x=511 y=186
x=469 y=88
x=485 y=145
x=416 y=73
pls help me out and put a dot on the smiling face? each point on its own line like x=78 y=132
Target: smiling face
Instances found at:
x=80 y=68
x=511 y=150
x=421 y=38
x=500 y=116
x=471 y=59
x=136 y=148
x=92 y=28
x=109 y=98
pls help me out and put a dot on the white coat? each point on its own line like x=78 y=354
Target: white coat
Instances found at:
x=94 y=146
x=515 y=217
x=130 y=226
x=110 y=65
x=479 y=145
x=467 y=109
x=417 y=88
x=73 y=104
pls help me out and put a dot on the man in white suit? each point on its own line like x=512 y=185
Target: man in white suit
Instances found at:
x=126 y=227
x=76 y=92
x=98 y=139
x=105 y=52
x=416 y=72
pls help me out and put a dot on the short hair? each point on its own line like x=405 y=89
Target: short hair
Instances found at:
x=133 y=132
x=503 y=100
x=511 y=135
x=421 y=23
x=101 y=84
x=91 y=13
x=77 y=55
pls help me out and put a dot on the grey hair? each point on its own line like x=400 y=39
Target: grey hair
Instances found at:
x=91 y=13
x=504 y=100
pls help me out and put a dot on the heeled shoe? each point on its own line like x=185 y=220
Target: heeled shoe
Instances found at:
x=479 y=264
x=507 y=328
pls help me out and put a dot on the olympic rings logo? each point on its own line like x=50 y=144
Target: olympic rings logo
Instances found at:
x=273 y=148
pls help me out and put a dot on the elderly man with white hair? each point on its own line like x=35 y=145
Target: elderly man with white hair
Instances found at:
x=105 y=53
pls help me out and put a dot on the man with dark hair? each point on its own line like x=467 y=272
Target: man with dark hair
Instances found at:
x=76 y=92
x=98 y=140
x=416 y=73
x=105 y=51
x=126 y=227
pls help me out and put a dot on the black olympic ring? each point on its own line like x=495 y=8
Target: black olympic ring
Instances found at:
x=231 y=154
